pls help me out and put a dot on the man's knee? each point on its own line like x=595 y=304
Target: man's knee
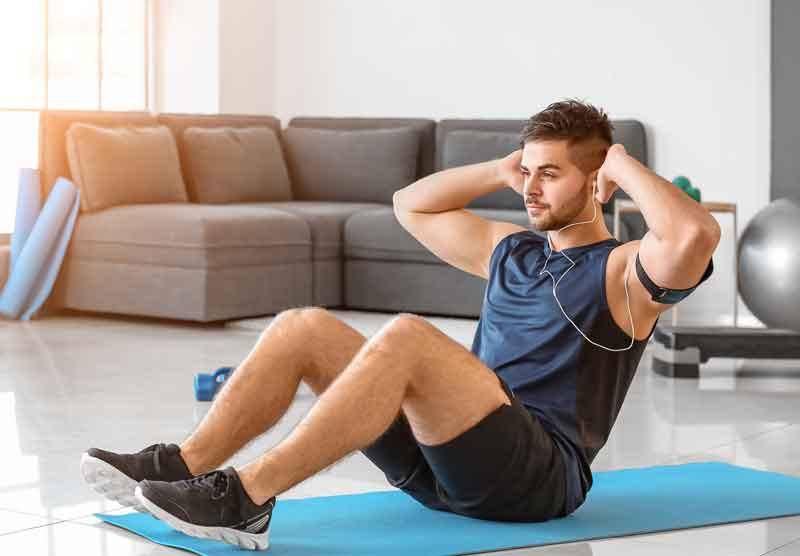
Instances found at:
x=292 y=325
x=399 y=335
x=406 y=323
x=302 y=315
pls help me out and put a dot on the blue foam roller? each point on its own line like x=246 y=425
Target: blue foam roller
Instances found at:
x=29 y=203
x=34 y=273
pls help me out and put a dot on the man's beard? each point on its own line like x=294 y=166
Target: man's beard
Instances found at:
x=566 y=214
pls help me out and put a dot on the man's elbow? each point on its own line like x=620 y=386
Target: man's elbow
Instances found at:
x=401 y=204
x=706 y=235
x=396 y=200
x=714 y=231
x=709 y=228
x=397 y=205
x=400 y=212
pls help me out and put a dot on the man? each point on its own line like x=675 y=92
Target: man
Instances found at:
x=506 y=431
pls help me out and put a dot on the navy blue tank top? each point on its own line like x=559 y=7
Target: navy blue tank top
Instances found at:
x=575 y=389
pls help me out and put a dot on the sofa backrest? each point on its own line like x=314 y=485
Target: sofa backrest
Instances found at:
x=467 y=141
x=443 y=144
x=425 y=127
x=53 y=125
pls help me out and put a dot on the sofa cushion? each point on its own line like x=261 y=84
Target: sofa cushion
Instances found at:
x=229 y=165
x=425 y=128
x=350 y=165
x=448 y=126
x=53 y=125
x=466 y=146
x=124 y=165
x=325 y=220
x=179 y=123
x=377 y=235
x=191 y=235
x=400 y=286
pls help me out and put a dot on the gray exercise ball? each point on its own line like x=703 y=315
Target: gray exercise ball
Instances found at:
x=769 y=264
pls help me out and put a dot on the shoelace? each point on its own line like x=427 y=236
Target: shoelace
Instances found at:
x=216 y=482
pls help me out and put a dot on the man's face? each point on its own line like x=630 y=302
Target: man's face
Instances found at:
x=552 y=180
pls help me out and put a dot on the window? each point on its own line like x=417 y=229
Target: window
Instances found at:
x=64 y=54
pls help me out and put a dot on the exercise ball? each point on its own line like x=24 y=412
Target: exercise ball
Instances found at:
x=769 y=264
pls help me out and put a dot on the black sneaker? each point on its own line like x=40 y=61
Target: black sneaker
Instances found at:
x=213 y=506
x=115 y=476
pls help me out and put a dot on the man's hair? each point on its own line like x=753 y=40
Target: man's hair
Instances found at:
x=586 y=129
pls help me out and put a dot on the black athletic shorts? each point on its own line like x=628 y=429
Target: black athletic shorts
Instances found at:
x=505 y=468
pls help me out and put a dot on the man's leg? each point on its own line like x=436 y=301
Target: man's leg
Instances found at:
x=308 y=344
x=409 y=365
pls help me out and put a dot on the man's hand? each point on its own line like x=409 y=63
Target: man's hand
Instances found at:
x=509 y=172
x=605 y=179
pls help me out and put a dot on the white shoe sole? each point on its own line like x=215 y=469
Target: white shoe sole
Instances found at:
x=242 y=539
x=109 y=481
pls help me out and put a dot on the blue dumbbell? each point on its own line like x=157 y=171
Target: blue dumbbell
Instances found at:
x=206 y=385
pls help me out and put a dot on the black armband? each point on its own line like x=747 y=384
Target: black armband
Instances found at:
x=667 y=295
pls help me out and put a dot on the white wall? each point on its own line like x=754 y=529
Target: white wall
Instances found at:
x=214 y=56
x=187 y=56
x=246 y=57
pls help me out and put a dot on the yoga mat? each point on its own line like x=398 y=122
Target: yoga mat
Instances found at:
x=29 y=202
x=32 y=276
x=621 y=503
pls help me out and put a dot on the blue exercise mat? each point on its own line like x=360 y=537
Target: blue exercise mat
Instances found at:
x=624 y=502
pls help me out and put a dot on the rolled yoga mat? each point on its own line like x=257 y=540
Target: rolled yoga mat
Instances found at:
x=34 y=272
x=29 y=202
x=621 y=503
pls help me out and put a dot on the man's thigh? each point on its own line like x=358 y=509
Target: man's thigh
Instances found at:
x=506 y=467
x=458 y=392
x=450 y=390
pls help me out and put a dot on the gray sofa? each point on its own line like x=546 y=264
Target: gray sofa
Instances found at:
x=332 y=245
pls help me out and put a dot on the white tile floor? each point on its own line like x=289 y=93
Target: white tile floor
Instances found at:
x=69 y=382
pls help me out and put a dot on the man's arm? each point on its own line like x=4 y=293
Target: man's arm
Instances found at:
x=450 y=189
x=682 y=235
x=431 y=210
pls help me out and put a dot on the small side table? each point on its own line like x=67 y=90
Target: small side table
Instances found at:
x=627 y=205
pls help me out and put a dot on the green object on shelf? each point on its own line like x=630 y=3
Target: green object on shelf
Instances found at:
x=683 y=183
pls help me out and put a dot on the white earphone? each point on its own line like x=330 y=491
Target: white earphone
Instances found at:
x=555 y=283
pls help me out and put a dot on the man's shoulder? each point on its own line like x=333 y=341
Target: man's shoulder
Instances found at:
x=622 y=253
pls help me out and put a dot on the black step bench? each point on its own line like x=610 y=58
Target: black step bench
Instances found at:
x=679 y=350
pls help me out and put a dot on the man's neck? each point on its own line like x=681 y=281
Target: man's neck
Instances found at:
x=582 y=234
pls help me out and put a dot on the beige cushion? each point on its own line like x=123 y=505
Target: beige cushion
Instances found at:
x=235 y=164
x=124 y=165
